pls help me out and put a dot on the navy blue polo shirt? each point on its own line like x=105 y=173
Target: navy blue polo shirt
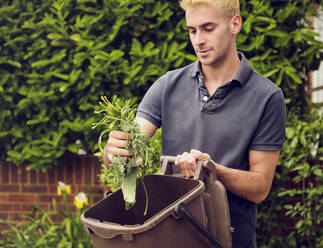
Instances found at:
x=246 y=113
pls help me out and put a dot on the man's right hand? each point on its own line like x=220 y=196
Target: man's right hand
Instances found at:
x=117 y=142
x=116 y=145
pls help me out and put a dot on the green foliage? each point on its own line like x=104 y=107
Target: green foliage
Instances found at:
x=106 y=175
x=47 y=229
x=297 y=189
x=58 y=57
x=120 y=115
x=278 y=38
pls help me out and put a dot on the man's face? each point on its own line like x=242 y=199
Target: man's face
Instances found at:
x=209 y=33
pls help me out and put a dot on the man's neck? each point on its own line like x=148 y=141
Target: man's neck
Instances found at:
x=216 y=75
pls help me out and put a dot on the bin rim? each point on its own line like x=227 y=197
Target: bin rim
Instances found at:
x=100 y=228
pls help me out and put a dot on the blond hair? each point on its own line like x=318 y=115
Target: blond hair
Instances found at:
x=230 y=7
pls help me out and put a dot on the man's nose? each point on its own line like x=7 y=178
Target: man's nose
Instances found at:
x=199 y=39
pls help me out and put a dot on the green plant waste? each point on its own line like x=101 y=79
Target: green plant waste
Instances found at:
x=123 y=172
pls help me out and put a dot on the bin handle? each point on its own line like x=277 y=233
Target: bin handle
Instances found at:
x=207 y=165
x=181 y=211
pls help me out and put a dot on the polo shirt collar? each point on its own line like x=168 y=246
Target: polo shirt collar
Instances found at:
x=242 y=76
x=196 y=68
x=245 y=70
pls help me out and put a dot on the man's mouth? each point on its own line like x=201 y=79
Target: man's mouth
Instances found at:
x=203 y=51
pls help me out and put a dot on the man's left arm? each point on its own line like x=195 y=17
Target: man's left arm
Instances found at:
x=253 y=185
x=264 y=149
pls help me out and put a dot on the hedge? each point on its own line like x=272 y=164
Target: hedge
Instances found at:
x=57 y=58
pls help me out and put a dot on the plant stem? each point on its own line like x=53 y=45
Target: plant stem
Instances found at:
x=146 y=194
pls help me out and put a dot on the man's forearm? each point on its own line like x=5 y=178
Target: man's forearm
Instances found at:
x=254 y=184
x=246 y=184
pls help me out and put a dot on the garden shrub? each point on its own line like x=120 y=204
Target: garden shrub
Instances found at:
x=278 y=39
x=293 y=212
x=58 y=57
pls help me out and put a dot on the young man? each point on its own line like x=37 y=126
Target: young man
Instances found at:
x=217 y=108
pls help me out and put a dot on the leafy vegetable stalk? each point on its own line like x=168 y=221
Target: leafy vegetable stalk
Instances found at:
x=123 y=172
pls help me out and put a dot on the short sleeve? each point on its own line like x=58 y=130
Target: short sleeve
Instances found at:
x=270 y=133
x=150 y=106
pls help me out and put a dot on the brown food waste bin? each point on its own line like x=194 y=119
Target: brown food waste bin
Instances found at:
x=181 y=213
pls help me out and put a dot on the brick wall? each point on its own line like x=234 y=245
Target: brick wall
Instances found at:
x=21 y=189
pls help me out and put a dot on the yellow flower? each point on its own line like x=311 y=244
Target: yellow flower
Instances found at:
x=63 y=187
x=80 y=199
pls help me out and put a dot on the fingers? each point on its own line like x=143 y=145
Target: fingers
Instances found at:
x=112 y=151
x=119 y=135
x=200 y=155
x=116 y=145
x=186 y=164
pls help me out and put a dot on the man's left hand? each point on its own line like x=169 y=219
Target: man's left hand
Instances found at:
x=186 y=162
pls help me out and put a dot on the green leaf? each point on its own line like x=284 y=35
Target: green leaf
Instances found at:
x=290 y=132
x=58 y=43
x=318 y=172
x=303 y=140
x=37 y=121
x=288 y=206
x=115 y=55
x=280 y=77
x=294 y=76
x=75 y=37
x=11 y=62
x=4 y=134
x=135 y=47
x=16 y=132
x=54 y=36
x=277 y=33
x=191 y=57
x=61 y=76
x=294 y=142
x=16 y=155
x=102 y=55
x=299 y=224
x=78 y=58
x=75 y=126
x=75 y=75
x=73 y=148
x=68 y=228
x=247 y=24
x=41 y=63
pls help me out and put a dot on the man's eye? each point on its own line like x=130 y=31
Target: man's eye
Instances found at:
x=192 y=31
x=209 y=29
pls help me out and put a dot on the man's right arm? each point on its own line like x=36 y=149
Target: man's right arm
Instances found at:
x=117 y=141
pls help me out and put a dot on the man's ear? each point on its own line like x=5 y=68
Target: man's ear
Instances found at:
x=236 y=24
